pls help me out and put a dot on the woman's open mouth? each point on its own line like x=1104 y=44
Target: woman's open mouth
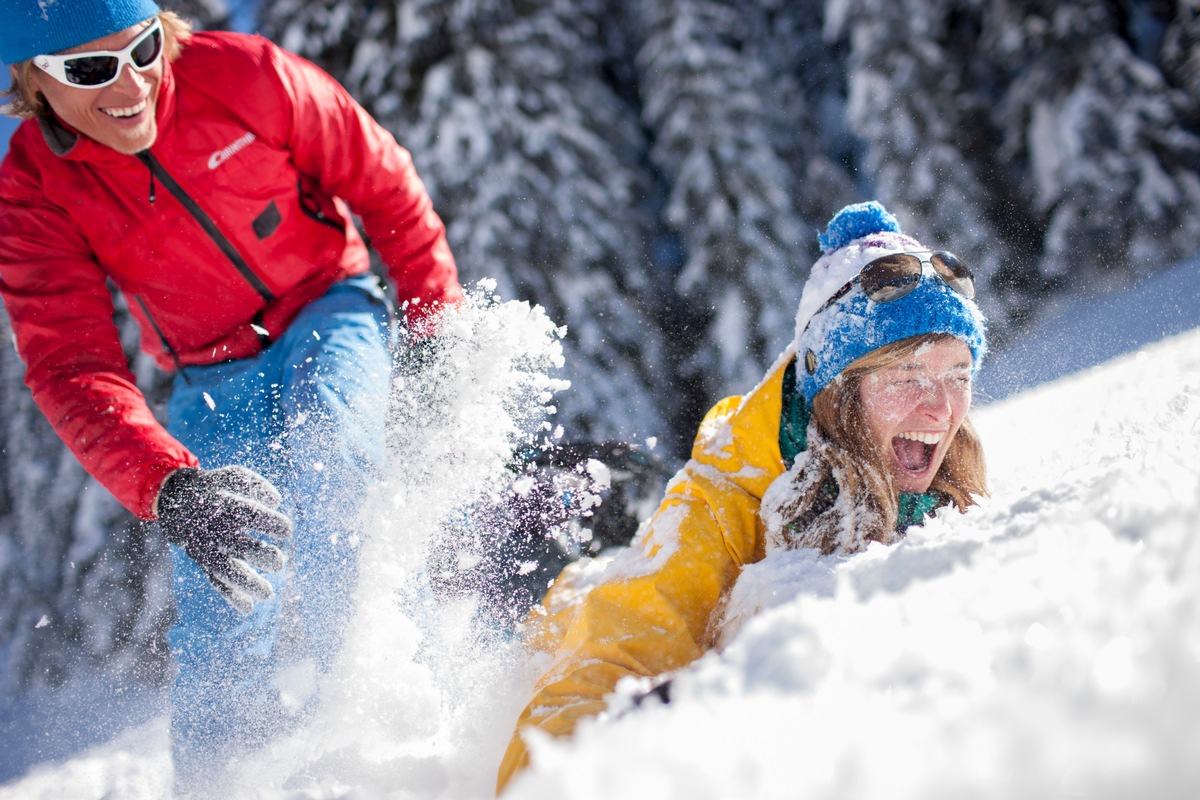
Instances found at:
x=914 y=450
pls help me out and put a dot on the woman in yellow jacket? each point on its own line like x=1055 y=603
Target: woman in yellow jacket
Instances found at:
x=859 y=430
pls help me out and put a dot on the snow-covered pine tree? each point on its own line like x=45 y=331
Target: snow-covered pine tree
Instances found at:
x=1106 y=143
x=920 y=98
x=204 y=14
x=727 y=118
x=809 y=69
x=1181 y=48
x=532 y=159
x=327 y=32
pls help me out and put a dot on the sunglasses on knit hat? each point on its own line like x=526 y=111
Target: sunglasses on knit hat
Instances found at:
x=96 y=69
x=889 y=278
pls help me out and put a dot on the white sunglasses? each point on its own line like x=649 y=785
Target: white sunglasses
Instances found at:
x=98 y=68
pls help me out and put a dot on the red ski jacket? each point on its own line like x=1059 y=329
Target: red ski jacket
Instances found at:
x=236 y=218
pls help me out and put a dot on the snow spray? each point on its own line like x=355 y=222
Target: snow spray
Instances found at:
x=418 y=698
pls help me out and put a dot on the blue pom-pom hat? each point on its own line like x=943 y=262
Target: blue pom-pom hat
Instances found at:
x=42 y=27
x=853 y=326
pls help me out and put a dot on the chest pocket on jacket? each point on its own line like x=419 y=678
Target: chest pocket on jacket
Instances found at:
x=267 y=222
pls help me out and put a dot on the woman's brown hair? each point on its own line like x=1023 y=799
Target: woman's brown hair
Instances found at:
x=802 y=509
x=26 y=103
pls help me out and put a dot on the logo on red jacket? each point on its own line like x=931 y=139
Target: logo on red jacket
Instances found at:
x=221 y=156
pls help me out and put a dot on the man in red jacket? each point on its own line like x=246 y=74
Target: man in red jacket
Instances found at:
x=211 y=177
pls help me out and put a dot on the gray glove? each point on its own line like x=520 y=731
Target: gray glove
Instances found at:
x=210 y=513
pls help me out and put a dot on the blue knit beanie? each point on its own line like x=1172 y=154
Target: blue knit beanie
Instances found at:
x=31 y=28
x=829 y=341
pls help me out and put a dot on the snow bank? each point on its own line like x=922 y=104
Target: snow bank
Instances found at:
x=1044 y=645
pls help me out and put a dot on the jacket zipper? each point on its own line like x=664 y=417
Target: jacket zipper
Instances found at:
x=162 y=337
x=205 y=221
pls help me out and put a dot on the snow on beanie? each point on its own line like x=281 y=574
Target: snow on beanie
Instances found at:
x=30 y=28
x=827 y=342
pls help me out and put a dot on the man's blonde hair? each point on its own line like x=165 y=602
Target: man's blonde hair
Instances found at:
x=26 y=103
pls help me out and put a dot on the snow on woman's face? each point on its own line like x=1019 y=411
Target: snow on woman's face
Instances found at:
x=914 y=408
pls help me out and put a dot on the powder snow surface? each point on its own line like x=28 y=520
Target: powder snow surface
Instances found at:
x=1044 y=645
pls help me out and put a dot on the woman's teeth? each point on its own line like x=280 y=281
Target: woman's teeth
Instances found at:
x=923 y=438
x=127 y=112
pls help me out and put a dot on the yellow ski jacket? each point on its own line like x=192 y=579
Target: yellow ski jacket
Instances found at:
x=654 y=607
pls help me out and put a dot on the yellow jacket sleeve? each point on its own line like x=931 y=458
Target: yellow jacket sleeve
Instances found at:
x=652 y=607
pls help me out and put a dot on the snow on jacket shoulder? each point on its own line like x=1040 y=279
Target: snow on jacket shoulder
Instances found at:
x=236 y=218
x=654 y=607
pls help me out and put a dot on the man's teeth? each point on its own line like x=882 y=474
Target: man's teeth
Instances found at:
x=923 y=438
x=127 y=112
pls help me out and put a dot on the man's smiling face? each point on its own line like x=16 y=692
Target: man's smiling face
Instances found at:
x=120 y=115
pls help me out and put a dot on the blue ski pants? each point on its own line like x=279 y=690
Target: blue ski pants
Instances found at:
x=308 y=413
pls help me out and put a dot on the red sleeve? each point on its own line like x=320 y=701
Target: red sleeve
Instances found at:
x=61 y=313
x=335 y=140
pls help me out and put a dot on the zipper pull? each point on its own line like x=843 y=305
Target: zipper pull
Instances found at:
x=144 y=157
